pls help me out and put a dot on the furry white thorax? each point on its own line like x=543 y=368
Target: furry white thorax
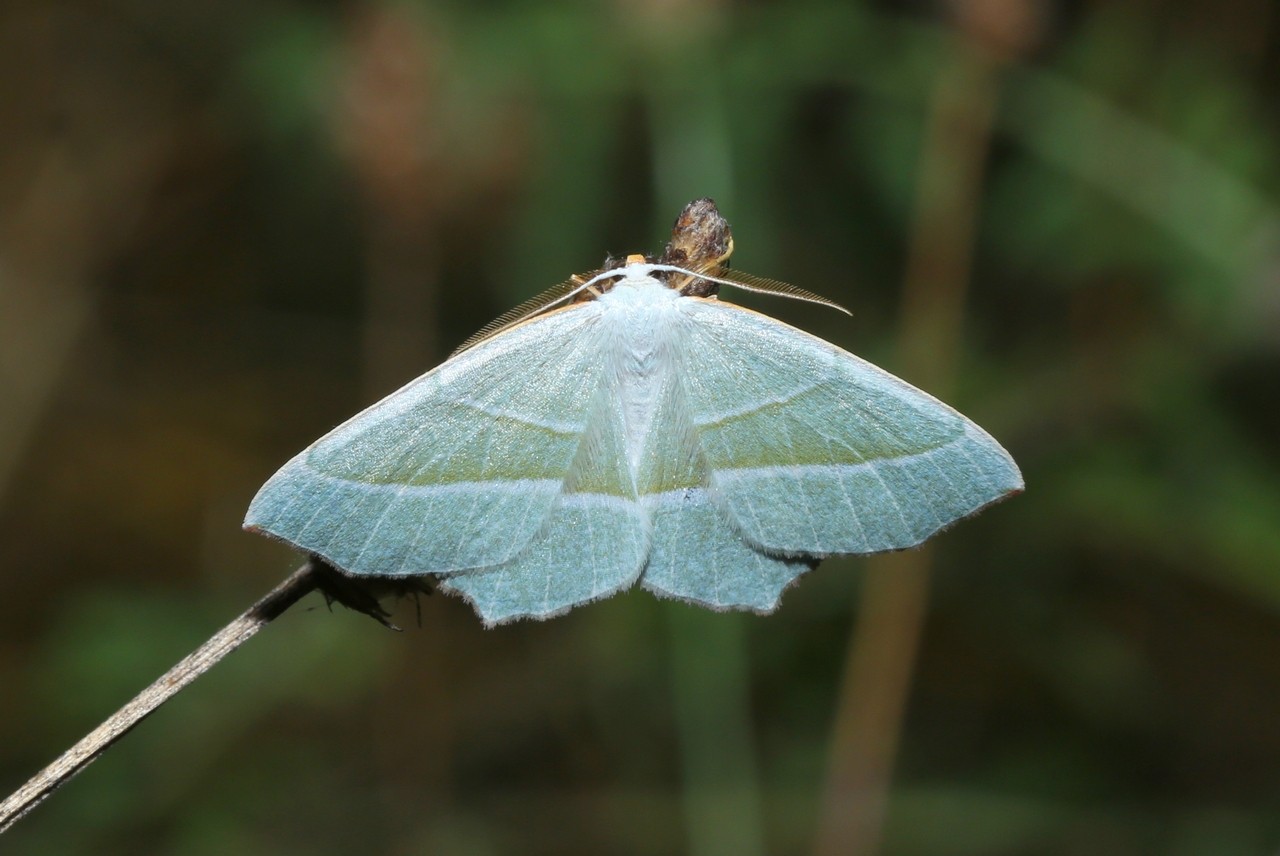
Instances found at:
x=640 y=331
x=638 y=284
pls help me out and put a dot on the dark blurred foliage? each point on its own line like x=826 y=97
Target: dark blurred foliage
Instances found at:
x=226 y=226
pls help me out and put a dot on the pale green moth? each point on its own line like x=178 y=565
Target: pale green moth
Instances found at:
x=625 y=429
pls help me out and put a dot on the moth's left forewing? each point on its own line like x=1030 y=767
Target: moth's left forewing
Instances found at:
x=814 y=451
x=459 y=469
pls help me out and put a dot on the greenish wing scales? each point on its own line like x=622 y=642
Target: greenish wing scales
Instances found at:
x=698 y=553
x=813 y=451
x=459 y=469
x=593 y=545
x=699 y=556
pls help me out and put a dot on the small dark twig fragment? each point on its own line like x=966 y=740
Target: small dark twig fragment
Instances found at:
x=363 y=594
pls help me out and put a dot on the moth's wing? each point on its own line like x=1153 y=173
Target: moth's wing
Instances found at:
x=459 y=469
x=813 y=451
x=593 y=544
x=697 y=553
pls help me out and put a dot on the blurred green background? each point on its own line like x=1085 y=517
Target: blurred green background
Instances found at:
x=226 y=226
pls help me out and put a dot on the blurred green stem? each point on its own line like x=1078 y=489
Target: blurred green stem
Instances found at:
x=891 y=612
x=709 y=672
x=709 y=663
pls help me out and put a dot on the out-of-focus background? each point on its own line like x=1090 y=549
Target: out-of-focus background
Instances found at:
x=226 y=226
